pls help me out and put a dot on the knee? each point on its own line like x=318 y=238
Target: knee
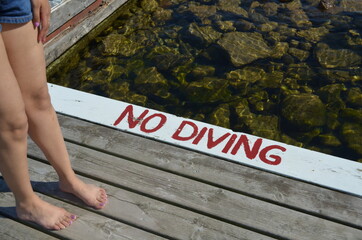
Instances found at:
x=40 y=100
x=15 y=127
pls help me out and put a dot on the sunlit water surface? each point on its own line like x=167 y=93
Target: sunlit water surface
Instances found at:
x=284 y=71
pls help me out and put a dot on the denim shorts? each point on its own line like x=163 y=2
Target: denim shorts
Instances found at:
x=15 y=11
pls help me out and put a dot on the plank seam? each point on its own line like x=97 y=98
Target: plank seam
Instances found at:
x=124 y=187
x=325 y=217
x=251 y=228
x=32 y=225
x=83 y=206
x=199 y=152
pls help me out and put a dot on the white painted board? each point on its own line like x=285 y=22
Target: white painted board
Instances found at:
x=314 y=167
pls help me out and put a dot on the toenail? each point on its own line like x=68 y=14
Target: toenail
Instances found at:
x=73 y=217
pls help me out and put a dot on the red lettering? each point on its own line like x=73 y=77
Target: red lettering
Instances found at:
x=211 y=143
x=132 y=121
x=250 y=153
x=200 y=136
x=163 y=120
x=277 y=159
x=177 y=136
x=229 y=143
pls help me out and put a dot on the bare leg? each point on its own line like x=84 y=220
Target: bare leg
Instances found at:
x=27 y=61
x=13 y=157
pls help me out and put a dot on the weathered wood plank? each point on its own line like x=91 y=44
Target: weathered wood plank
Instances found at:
x=241 y=210
x=58 y=45
x=63 y=12
x=88 y=226
x=12 y=230
x=277 y=189
x=145 y=213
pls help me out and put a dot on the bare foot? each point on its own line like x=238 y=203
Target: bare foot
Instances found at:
x=91 y=195
x=44 y=214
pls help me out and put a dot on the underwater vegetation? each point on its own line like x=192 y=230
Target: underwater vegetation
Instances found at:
x=284 y=70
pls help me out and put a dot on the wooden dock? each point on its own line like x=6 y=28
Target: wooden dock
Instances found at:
x=160 y=191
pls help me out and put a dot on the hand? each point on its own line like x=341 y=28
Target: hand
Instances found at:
x=41 y=18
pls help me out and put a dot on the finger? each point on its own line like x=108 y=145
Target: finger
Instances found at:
x=45 y=22
x=36 y=15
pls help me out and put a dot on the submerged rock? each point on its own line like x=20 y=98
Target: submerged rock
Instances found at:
x=166 y=58
x=280 y=49
x=332 y=97
x=271 y=8
x=302 y=72
x=265 y=126
x=149 y=5
x=202 y=11
x=313 y=35
x=304 y=110
x=221 y=116
x=352 y=114
x=231 y=63
x=248 y=74
x=244 y=47
x=329 y=140
x=208 y=90
x=203 y=35
x=334 y=58
x=162 y=15
x=151 y=82
x=232 y=6
x=268 y=27
x=122 y=92
x=118 y=44
x=202 y=71
x=243 y=114
x=354 y=97
x=272 y=79
x=297 y=14
x=243 y=25
x=259 y=101
x=351 y=5
x=301 y=55
x=352 y=135
x=354 y=38
x=225 y=26
x=332 y=92
x=326 y=4
x=340 y=75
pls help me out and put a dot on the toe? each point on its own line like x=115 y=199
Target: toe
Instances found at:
x=103 y=192
x=59 y=225
x=56 y=226
x=102 y=203
x=67 y=219
x=72 y=217
x=102 y=198
x=66 y=222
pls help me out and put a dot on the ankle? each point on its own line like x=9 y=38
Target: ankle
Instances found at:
x=67 y=178
x=69 y=182
x=26 y=202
